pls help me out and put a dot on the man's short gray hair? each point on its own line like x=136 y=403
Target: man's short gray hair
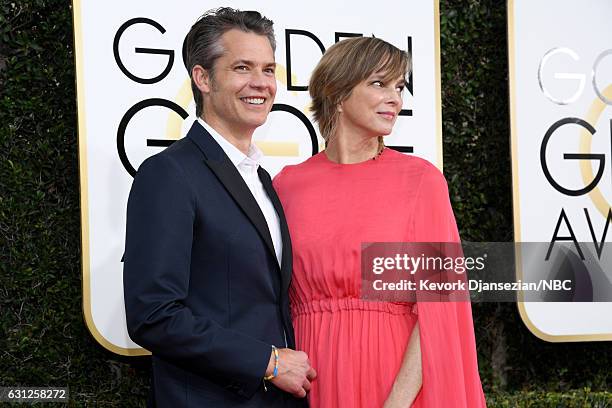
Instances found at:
x=202 y=45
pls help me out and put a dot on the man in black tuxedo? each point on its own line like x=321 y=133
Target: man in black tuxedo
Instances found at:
x=208 y=257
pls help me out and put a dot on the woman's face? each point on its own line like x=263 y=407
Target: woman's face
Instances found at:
x=373 y=106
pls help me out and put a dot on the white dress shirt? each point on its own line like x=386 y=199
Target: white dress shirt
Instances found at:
x=247 y=166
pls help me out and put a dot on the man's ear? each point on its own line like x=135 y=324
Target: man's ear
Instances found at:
x=201 y=77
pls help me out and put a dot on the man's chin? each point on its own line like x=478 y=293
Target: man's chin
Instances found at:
x=257 y=122
x=251 y=126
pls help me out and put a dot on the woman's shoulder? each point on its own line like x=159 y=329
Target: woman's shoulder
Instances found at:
x=292 y=171
x=414 y=164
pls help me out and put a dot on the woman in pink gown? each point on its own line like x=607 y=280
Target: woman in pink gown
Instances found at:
x=370 y=353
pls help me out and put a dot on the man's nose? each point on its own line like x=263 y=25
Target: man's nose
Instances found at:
x=259 y=79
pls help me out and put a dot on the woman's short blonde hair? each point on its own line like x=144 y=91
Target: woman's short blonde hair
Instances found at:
x=345 y=65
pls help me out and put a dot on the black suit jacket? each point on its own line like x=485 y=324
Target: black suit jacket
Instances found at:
x=203 y=288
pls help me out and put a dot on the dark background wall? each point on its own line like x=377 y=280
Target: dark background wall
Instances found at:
x=43 y=339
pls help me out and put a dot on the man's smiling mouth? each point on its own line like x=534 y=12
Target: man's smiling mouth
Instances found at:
x=253 y=101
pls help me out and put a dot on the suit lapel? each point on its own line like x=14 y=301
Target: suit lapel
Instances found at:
x=228 y=175
x=287 y=257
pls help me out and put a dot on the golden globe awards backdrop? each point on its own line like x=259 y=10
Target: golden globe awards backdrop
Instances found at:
x=560 y=54
x=134 y=99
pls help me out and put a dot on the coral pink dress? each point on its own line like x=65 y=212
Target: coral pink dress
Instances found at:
x=357 y=346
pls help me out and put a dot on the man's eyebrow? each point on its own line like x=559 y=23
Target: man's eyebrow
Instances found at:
x=253 y=63
x=243 y=61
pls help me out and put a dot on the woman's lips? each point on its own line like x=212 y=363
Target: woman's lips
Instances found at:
x=387 y=115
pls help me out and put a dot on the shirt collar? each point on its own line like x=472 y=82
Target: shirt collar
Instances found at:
x=238 y=158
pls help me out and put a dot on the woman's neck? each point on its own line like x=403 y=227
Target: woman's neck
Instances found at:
x=345 y=149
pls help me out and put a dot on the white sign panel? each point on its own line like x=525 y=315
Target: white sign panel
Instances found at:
x=560 y=54
x=134 y=98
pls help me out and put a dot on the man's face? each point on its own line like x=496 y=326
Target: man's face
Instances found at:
x=242 y=89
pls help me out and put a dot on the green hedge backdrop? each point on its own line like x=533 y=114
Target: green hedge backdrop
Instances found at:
x=43 y=339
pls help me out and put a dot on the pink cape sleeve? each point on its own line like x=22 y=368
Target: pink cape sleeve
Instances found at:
x=448 y=347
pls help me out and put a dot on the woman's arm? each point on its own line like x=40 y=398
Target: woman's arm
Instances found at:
x=410 y=376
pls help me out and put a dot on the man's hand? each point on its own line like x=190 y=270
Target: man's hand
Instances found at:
x=294 y=372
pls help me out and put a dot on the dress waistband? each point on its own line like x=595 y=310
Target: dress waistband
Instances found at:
x=333 y=305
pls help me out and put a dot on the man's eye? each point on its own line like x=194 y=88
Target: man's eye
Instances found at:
x=400 y=88
x=269 y=70
x=378 y=83
x=241 y=68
